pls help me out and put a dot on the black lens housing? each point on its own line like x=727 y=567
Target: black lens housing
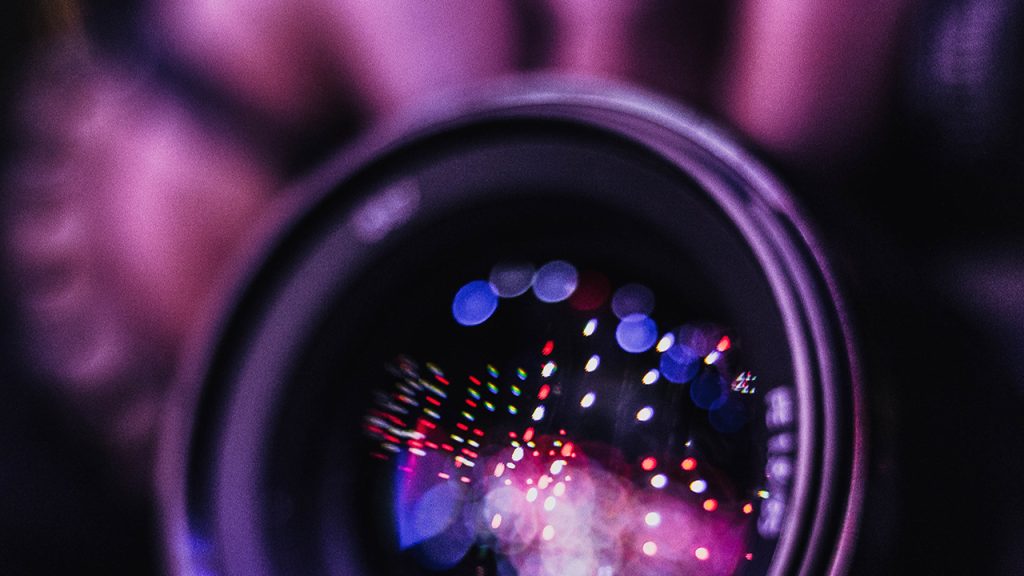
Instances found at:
x=593 y=172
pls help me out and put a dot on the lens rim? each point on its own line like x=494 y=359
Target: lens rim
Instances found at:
x=273 y=298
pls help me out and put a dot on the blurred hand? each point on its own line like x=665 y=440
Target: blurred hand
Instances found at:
x=127 y=205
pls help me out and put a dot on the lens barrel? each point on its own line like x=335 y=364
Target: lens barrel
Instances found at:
x=553 y=328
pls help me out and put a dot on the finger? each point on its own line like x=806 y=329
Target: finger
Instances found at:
x=807 y=78
x=122 y=213
x=668 y=45
x=265 y=54
x=396 y=53
x=593 y=38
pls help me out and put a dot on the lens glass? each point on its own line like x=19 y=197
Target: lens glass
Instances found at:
x=562 y=379
x=557 y=418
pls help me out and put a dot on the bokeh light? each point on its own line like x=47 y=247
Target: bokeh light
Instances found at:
x=555 y=281
x=636 y=333
x=632 y=299
x=474 y=303
x=651 y=376
x=509 y=280
x=588 y=400
x=592 y=291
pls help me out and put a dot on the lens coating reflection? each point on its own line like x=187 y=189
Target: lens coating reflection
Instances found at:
x=555 y=281
x=474 y=303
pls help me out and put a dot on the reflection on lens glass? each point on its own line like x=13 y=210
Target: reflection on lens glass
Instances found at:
x=636 y=333
x=474 y=303
x=512 y=279
x=542 y=437
x=555 y=281
x=633 y=299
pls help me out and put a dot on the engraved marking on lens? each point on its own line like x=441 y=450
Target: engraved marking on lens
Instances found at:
x=549 y=369
x=744 y=383
x=769 y=522
x=707 y=389
x=780 y=443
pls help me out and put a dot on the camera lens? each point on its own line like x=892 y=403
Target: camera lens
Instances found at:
x=553 y=332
